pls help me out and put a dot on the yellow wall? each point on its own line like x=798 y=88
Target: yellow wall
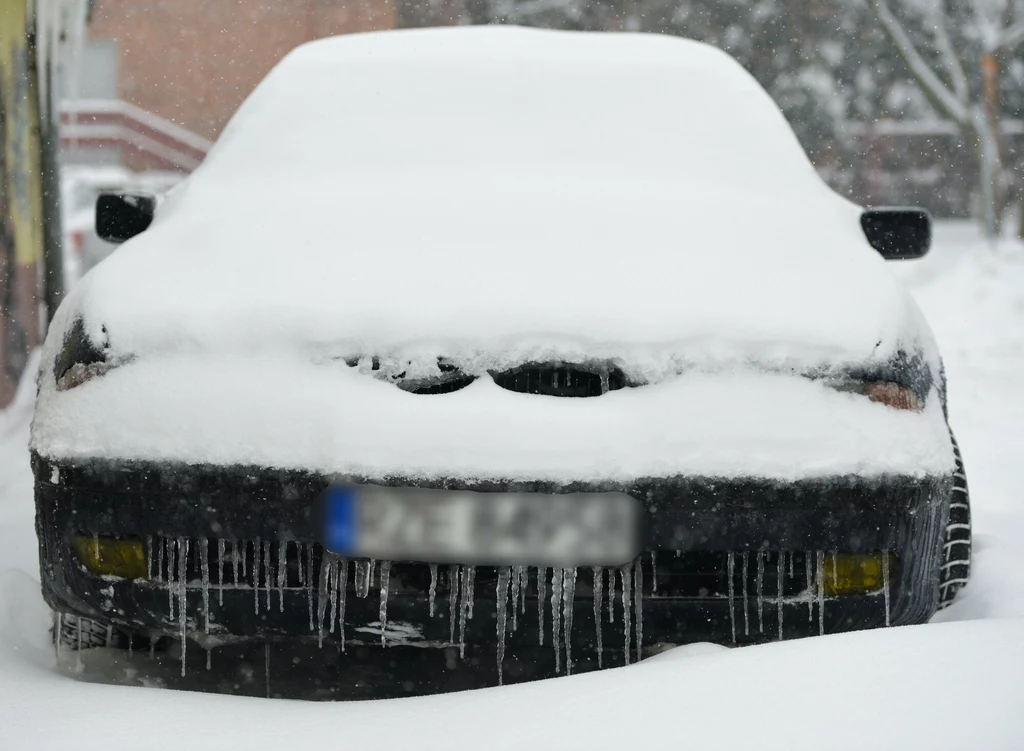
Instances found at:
x=19 y=105
x=21 y=218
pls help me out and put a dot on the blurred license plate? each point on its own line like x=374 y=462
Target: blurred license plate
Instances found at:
x=459 y=526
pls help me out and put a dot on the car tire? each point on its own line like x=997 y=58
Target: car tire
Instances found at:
x=74 y=633
x=955 y=566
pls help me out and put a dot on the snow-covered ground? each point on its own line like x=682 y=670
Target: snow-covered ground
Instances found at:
x=955 y=683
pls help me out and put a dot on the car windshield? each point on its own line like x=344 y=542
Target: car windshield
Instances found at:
x=423 y=373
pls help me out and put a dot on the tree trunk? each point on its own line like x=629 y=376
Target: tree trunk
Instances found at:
x=989 y=152
x=990 y=171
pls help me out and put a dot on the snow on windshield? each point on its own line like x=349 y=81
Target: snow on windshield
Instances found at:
x=498 y=192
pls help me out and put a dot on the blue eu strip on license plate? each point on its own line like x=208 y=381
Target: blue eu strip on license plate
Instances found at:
x=461 y=526
x=340 y=519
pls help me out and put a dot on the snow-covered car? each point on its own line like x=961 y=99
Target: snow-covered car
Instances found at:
x=546 y=344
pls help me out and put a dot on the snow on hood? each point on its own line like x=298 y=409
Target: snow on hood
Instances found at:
x=506 y=191
x=272 y=411
x=499 y=196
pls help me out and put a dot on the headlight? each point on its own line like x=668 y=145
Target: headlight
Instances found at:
x=124 y=558
x=79 y=360
x=857 y=573
x=892 y=395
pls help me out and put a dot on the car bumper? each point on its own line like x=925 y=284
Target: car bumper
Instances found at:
x=698 y=531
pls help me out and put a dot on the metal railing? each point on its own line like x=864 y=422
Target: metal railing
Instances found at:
x=118 y=124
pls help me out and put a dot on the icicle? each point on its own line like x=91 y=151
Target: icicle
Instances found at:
x=654 y=572
x=385 y=581
x=542 y=578
x=792 y=559
x=611 y=595
x=321 y=601
x=220 y=571
x=885 y=583
x=245 y=559
x=58 y=631
x=746 y=610
x=309 y=585
x=332 y=591
x=760 y=591
x=342 y=595
x=626 y=574
x=731 y=569
x=149 y=558
x=268 y=571
x=598 y=593
x=171 y=569
x=209 y=662
x=568 y=600
x=516 y=583
x=638 y=606
x=779 y=595
x=501 y=598
x=182 y=601
x=266 y=667
x=282 y=573
x=363 y=576
x=810 y=586
x=433 y=587
x=204 y=565
x=468 y=575
x=471 y=582
x=835 y=569
x=236 y=563
x=160 y=559
x=454 y=572
x=524 y=576
x=96 y=546
x=556 y=616
x=821 y=592
x=257 y=550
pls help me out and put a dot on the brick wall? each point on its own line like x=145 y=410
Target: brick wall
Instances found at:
x=195 y=61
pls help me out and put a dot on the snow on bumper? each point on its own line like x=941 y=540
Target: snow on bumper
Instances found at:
x=277 y=412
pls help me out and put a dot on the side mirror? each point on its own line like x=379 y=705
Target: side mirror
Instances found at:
x=122 y=216
x=898 y=233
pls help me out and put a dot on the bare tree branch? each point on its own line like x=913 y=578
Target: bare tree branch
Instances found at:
x=931 y=84
x=950 y=60
x=1011 y=37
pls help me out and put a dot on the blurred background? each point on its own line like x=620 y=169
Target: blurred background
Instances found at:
x=897 y=102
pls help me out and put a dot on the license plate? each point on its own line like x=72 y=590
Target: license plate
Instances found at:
x=461 y=526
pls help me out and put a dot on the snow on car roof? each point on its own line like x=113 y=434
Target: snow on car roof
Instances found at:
x=506 y=191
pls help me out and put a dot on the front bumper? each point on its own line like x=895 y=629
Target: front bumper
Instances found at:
x=253 y=569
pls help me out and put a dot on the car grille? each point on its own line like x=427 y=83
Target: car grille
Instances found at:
x=553 y=379
x=275 y=565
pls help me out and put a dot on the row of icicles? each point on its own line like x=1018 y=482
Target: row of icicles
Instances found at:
x=327 y=606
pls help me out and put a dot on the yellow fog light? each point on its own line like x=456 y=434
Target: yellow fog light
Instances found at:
x=123 y=557
x=857 y=573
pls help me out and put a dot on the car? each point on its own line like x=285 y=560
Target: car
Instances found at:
x=483 y=355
